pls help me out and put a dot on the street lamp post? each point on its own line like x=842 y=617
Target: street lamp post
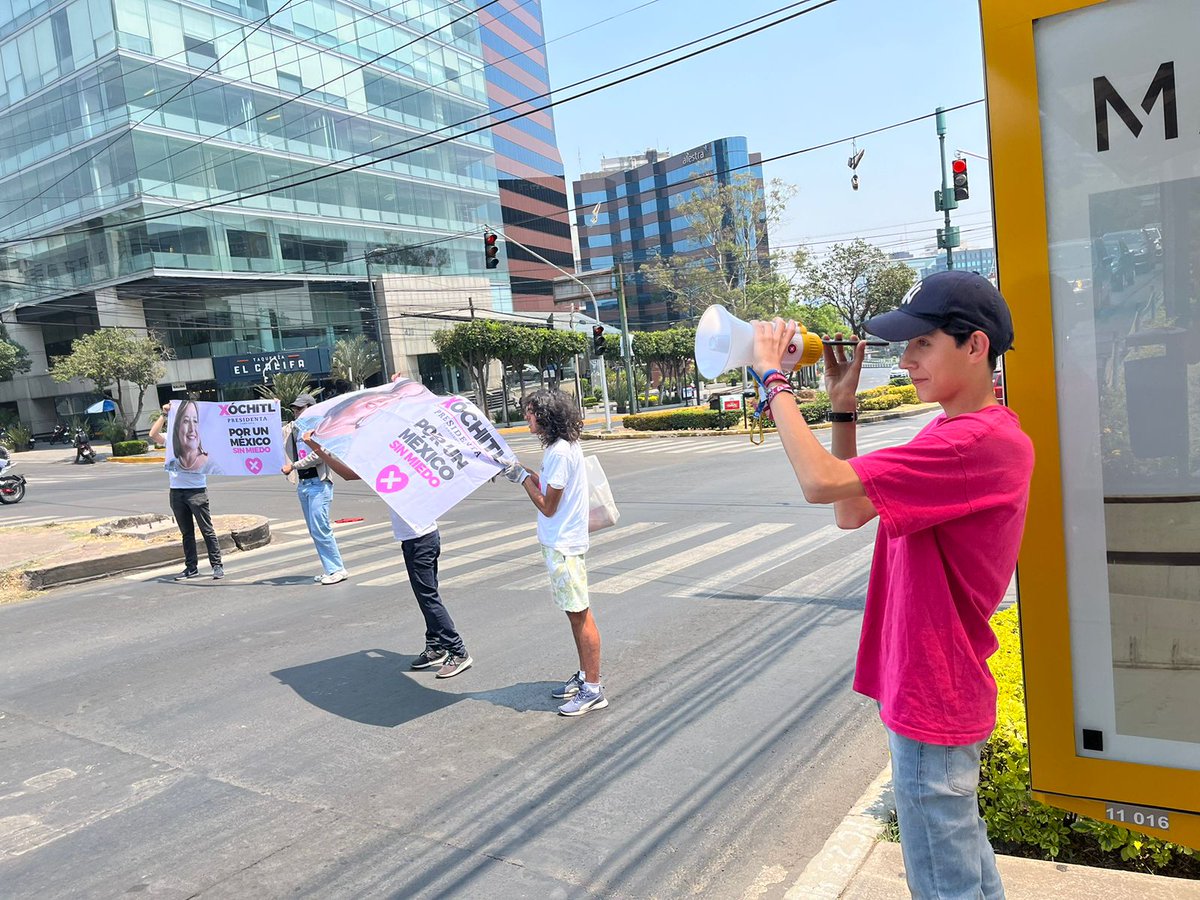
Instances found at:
x=595 y=313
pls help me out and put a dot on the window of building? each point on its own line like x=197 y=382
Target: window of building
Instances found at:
x=200 y=54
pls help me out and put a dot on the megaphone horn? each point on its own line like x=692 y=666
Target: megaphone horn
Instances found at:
x=724 y=342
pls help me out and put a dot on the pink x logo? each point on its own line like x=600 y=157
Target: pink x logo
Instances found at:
x=390 y=480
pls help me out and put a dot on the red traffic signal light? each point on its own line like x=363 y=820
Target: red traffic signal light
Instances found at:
x=958 y=170
x=598 y=340
x=491 y=252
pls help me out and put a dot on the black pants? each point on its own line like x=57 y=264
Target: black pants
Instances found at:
x=421 y=559
x=190 y=506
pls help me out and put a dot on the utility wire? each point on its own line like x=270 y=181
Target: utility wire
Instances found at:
x=546 y=95
x=210 y=67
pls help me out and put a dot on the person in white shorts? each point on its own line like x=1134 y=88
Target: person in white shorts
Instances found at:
x=561 y=497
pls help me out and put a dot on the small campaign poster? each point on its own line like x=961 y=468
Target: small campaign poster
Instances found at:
x=242 y=437
x=420 y=452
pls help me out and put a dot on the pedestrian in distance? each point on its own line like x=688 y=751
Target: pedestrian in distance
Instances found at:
x=189 y=505
x=560 y=494
x=951 y=506
x=314 y=487
x=444 y=646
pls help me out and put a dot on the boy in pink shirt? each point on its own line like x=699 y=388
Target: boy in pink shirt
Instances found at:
x=951 y=506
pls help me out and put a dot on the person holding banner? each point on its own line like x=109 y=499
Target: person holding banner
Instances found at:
x=314 y=487
x=561 y=498
x=444 y=646
x=951 y=507
x=189 y=504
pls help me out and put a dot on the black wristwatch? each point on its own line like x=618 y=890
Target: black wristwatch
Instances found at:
x=843 y=417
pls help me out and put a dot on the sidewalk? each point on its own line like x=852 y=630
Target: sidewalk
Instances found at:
x=855 y=864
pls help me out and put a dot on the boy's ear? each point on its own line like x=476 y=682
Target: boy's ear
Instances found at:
x=978 y=344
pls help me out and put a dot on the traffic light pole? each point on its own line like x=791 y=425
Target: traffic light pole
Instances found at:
x=947 y=190
x=595 y=314
x=626 y=349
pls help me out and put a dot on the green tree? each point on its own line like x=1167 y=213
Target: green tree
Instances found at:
x=14 y=359
x=857 y=280
x=286 y=387
x=355 y=360
x=111 y=356
x=472 y=345
x=516 y=345
x=729 y=224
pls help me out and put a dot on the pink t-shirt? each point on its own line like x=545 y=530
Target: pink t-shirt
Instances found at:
x=951 y=510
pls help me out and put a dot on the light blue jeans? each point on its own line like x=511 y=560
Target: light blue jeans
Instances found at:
x=942 y=836
x=316 y=494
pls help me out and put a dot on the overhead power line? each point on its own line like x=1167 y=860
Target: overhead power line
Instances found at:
x=236 y=197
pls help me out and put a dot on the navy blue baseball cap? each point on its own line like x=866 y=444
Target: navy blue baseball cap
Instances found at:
x=948 y=298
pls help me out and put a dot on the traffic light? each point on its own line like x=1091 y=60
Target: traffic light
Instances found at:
x=958 y=168
x=491 y=253
x=597 y=340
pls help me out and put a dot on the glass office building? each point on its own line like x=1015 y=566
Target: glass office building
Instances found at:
x=533 y=190
x=225 y=171
x=628 y=213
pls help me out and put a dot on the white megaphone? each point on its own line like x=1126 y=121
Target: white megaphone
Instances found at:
x=724 y=342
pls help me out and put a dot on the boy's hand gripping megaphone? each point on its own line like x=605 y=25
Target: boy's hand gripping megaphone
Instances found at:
x=725 y=342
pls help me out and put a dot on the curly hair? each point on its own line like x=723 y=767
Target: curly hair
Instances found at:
x=557 y=416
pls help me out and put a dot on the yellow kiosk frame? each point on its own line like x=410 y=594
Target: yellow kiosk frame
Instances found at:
x=1097 y=788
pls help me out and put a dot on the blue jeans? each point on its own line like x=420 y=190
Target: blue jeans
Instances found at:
x=315 y=496
x=942 y=836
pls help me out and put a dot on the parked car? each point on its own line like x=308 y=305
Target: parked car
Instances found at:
x=1121 y=266
x=1140 y=246
x=1085 y=268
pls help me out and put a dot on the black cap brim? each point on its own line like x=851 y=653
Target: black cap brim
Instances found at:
x=899 y=325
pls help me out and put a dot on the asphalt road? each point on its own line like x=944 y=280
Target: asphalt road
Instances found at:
x=263 y=736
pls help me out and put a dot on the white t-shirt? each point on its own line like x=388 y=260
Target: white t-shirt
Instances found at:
x=567 y=530
x=187 y=479
x=402 y=532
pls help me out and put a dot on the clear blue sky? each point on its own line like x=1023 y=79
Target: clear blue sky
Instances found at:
x=844 y=69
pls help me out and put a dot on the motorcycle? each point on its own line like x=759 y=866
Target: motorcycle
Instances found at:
x=83 y=448
x=61 y=432
x=12 y=487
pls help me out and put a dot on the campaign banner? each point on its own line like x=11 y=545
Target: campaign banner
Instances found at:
x=420 y=452
x=242 y=437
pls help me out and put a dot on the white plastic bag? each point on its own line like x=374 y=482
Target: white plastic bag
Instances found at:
x=602 y=509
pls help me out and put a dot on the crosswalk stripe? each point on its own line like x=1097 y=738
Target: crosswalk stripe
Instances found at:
x=450 y=547
x=460 y=561
x=604 y=560
x=269 y=555
x=829 y=580
x=619 y=584
x=348 y=555
x=715 y=584
x=485 y=572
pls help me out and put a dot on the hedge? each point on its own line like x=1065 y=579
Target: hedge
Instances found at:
x=690 y=419
x=1013 y=817
x=129 y=448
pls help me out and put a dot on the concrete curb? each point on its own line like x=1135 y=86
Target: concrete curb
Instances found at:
x=870 y=419
x=257 y=535
x=830 y=872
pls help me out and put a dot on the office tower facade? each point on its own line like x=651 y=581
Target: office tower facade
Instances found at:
x=237 y=177
x=533 y=190
x=627 y=213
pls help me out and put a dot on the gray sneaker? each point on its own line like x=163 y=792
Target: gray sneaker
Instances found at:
x=430 y=656
x=455 y=664
x=584 y=702
x=570 y=689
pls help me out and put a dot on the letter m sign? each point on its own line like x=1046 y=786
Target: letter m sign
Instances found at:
x=1106 y=95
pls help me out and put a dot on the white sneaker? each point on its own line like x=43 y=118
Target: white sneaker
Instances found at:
x=334 y=577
